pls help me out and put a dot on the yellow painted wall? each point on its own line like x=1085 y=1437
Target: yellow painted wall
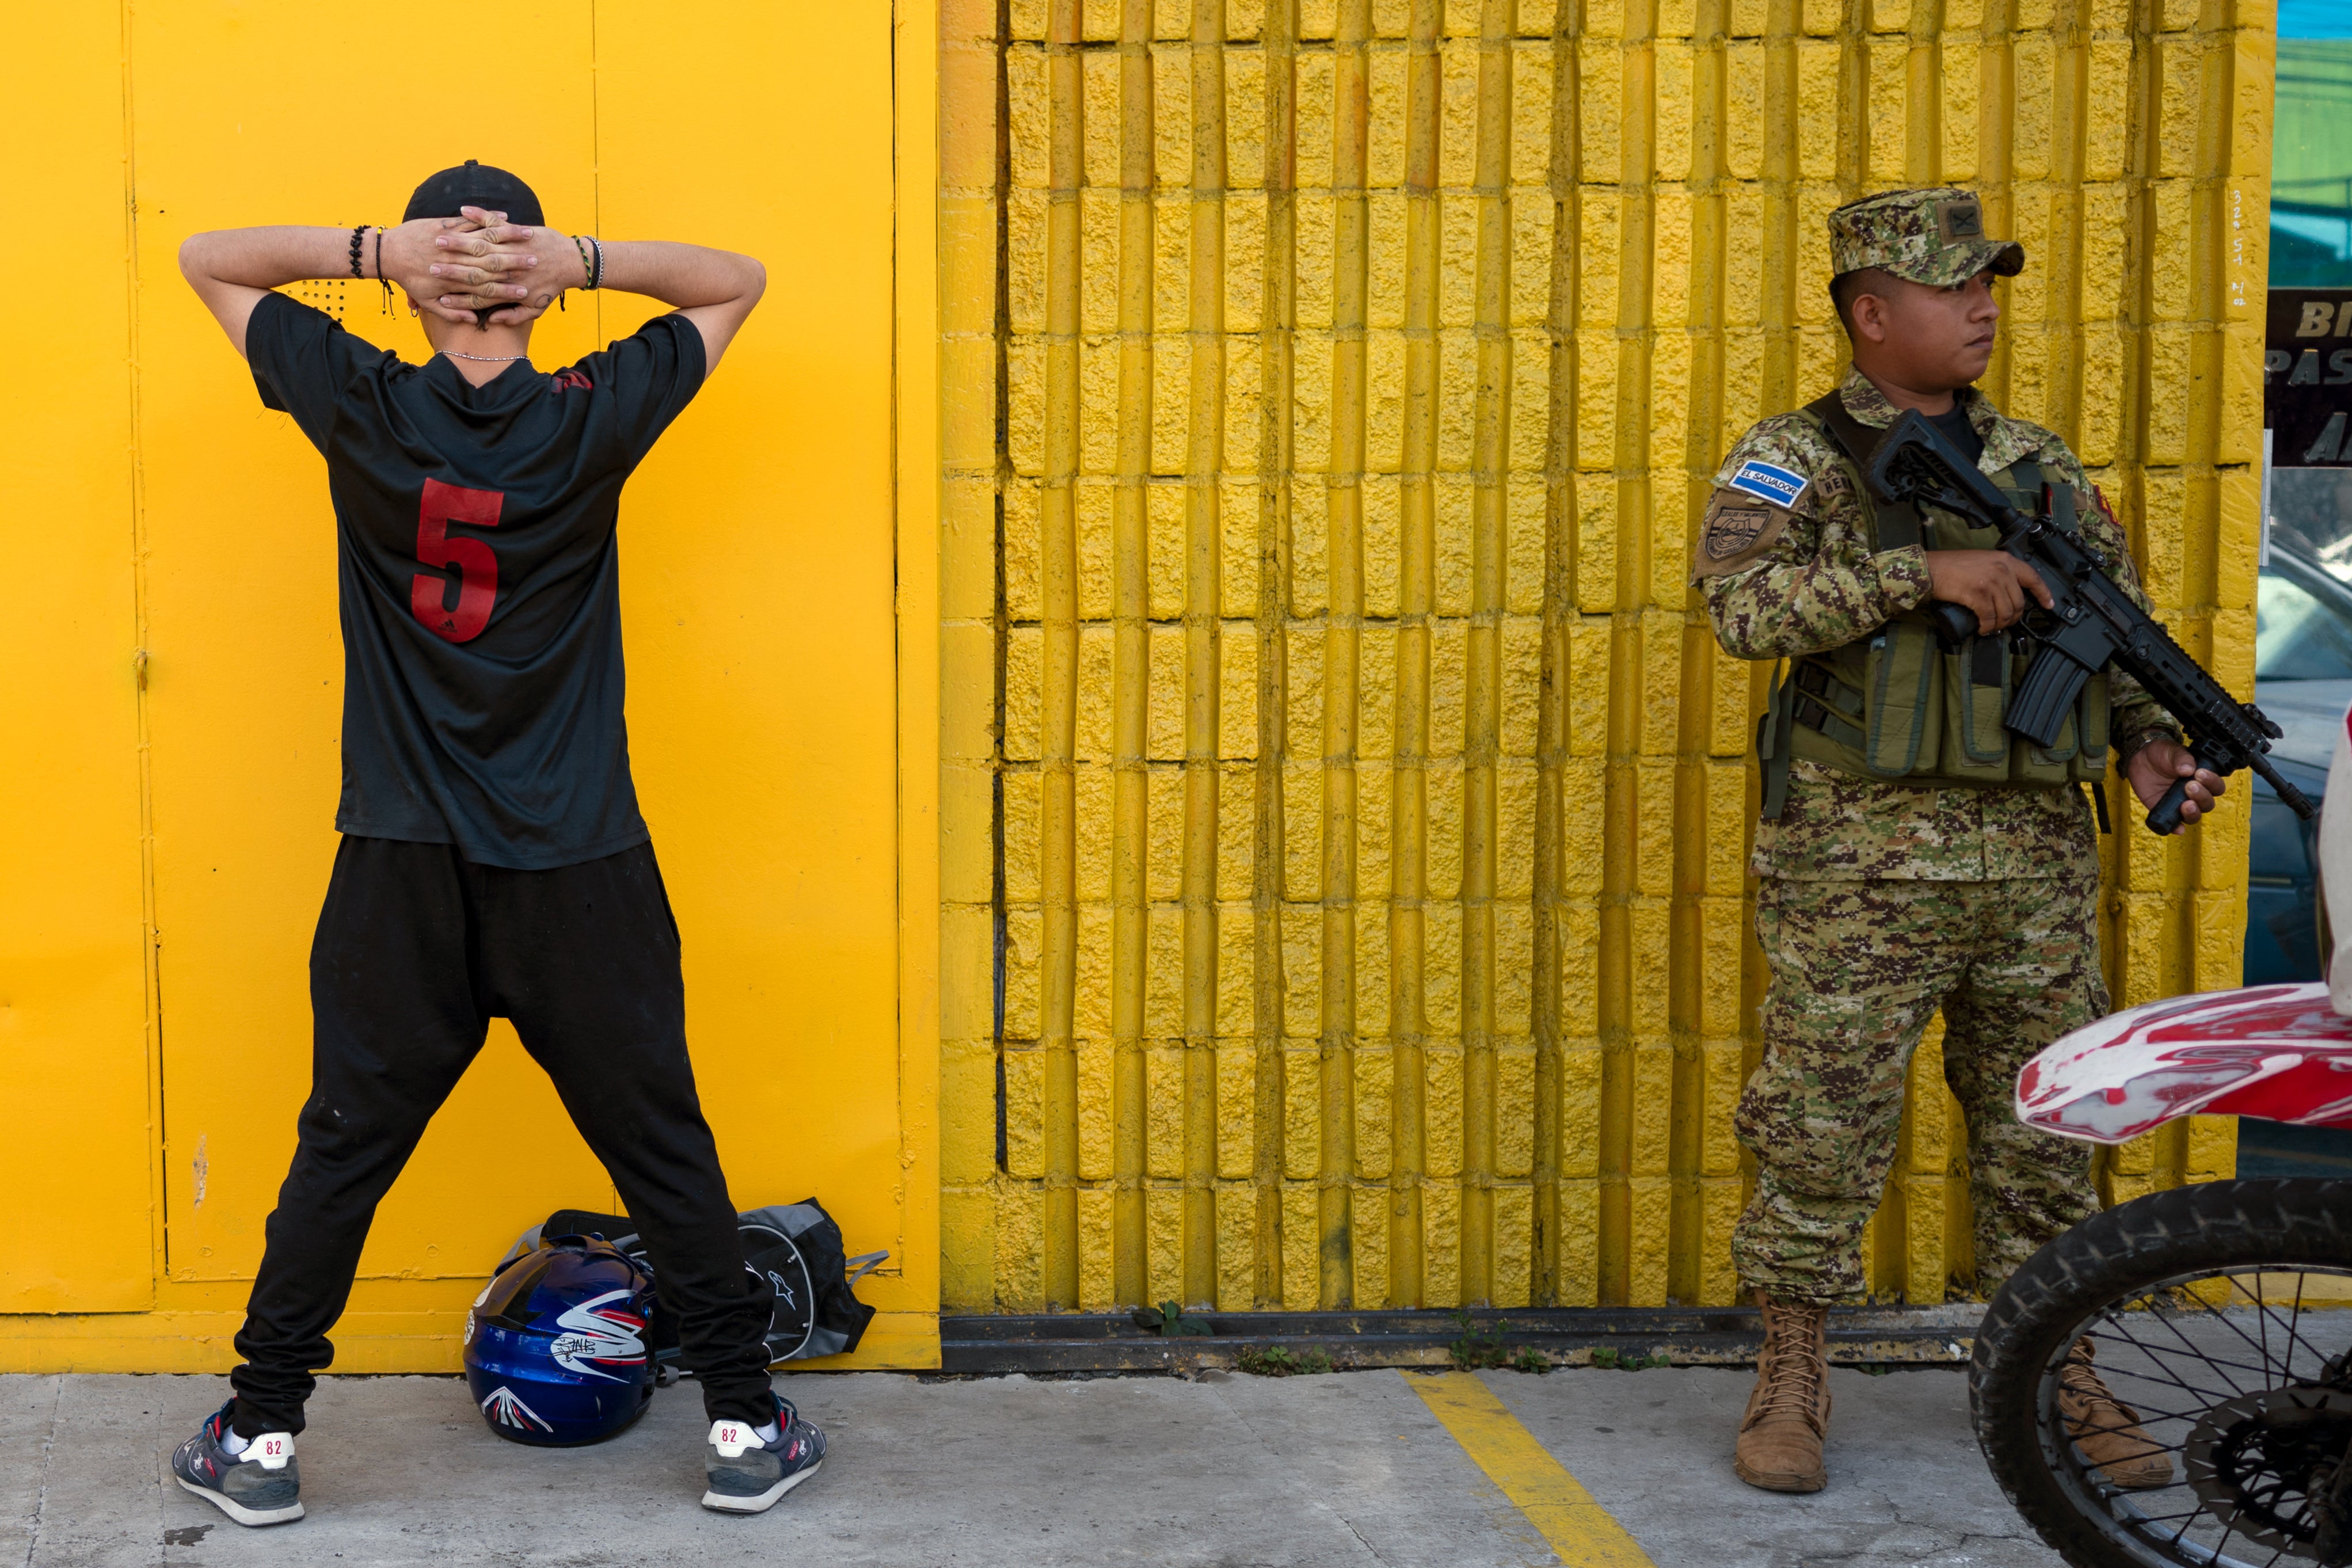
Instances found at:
x=1354 y=791
x=173 y=673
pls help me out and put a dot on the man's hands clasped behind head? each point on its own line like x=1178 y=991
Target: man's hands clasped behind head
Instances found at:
x=454 y=266
x=475 y=270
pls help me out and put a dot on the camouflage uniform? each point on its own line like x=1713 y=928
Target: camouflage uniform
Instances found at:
x=1881 y=901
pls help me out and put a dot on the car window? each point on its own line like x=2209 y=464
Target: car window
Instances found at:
x=2298 y=636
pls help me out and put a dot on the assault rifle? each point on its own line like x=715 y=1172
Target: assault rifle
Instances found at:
x=2091 y=623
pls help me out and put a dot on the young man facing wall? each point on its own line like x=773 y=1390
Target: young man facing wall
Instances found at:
x=493 y=863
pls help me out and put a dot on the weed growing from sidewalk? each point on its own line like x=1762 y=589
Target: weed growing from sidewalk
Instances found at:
x=1478 y=1348
x=1279 y=1361
x=1168 y=1320
x=1621 y=1360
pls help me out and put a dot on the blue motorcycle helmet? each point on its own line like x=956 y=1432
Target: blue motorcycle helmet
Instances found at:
x=555 y=1345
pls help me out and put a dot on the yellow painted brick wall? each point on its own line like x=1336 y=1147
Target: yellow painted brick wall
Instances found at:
x=1345 y=805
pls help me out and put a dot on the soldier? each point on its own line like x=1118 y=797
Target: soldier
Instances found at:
x=1912 y=854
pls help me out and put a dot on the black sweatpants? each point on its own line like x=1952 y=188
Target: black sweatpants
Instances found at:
x=417 y=950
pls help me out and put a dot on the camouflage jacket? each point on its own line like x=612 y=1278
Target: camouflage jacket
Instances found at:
x=1807 y=582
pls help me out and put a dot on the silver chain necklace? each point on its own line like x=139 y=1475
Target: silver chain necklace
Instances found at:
x=486 y=358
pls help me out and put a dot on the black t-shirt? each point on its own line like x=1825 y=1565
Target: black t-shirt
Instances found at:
x=1953 y=426
x=479 y=574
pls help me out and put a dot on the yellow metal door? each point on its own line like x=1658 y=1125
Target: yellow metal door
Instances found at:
x=74 y=1060
x=757 y=599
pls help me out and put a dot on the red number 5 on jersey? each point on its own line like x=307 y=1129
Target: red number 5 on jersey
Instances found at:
x=476 y=568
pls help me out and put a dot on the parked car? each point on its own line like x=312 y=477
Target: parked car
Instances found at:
x=2303 y=678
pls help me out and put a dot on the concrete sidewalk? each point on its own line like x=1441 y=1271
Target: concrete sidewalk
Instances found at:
x=1228 y=1470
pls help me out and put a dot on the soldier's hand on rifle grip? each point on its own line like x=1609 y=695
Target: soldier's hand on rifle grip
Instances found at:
x=1990 y=582
x=2155 y=767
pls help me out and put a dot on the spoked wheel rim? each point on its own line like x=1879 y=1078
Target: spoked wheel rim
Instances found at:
x=2212 y=1360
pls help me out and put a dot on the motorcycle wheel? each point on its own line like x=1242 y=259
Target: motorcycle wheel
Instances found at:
x=2222 y=1314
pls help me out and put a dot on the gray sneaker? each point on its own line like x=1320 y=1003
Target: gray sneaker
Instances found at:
x=747 y=1475
x=262 y=1485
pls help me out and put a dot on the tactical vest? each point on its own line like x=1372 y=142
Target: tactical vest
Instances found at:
x=1898 y=705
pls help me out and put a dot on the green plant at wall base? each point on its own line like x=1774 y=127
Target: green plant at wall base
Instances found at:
x=1279 y=1361
x=1620 y=1361
x=1478 y=1348
x=1531 y=1359
x=1168 y=1320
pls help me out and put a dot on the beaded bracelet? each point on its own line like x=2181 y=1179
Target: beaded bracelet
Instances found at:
x=358 y=231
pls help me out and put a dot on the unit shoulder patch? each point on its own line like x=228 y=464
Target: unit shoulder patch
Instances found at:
x=1771 y=482
x=1731 y=531
x=1735 y=533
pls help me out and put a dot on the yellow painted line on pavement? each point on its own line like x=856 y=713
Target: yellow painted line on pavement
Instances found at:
x=1579 y=1528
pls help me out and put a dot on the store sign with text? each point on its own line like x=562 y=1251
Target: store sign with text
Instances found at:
x=2308 y=377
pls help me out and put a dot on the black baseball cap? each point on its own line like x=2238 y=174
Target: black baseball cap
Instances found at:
x=474 y=185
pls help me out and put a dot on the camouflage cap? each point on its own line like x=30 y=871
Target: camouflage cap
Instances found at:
x=1934 y=235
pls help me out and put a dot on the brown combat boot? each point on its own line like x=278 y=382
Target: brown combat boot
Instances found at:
x=2107 y=1429
x=1780 y=1446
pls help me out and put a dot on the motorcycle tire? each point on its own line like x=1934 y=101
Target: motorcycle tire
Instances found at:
x=2216 y=1226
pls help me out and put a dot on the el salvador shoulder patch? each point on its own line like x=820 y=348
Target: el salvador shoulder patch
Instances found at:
x=1769 y=481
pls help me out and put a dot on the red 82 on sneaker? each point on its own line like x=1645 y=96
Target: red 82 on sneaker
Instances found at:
x=751 y=1468
x=260 y=1484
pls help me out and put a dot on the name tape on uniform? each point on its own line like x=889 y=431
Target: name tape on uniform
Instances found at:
x=1769 y=482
